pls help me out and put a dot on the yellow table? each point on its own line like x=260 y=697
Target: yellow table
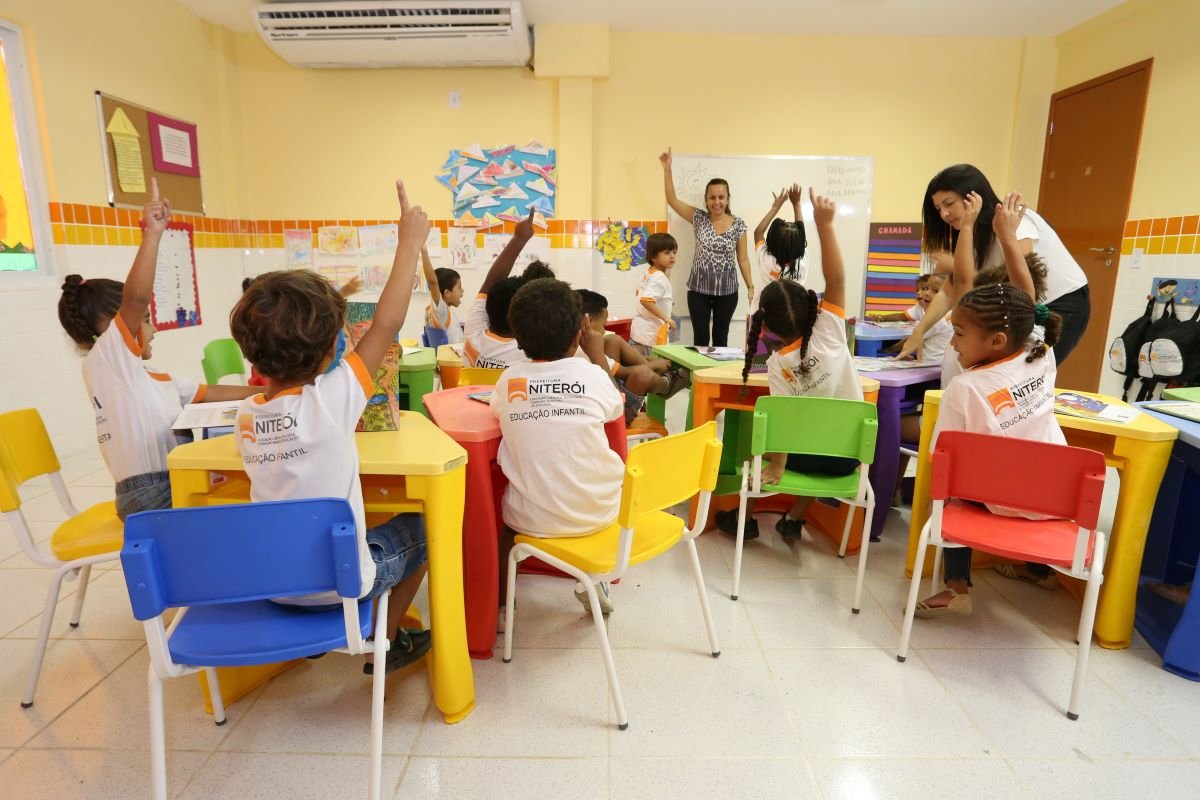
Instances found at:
x=1139 y=450
x=415 y=468
x=449 y=362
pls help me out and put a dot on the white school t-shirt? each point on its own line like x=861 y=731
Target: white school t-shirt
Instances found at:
x=950 y=363
x=768 y=270
x=647 y=329
x=1063 y=273
x=439 y=315
x=1005 y=398
x=914 y=312
x=830 y=365
x=937 y=339
x=482 y=347
x=300 y=445
x=134 y=405
x=563 y=478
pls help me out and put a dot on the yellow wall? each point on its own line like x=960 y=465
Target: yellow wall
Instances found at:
x=1168 y=169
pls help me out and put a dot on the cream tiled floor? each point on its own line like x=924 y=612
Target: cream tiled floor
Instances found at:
x=806 y=700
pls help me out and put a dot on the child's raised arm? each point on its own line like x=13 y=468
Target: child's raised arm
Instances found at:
x=760 y=230
x=795 y=195
x=1004 y=224
x=430 y=276
x=508 y=256
x=139 y=284
x=824 y=212
x=963 y=278
x=393 y=301
x=681 y=208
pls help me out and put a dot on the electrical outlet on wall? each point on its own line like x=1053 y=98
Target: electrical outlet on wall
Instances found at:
x=1135 y=259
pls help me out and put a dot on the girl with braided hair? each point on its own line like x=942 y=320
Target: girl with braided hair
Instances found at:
x=810 y=357
x=1006 y=389
x=134 y=405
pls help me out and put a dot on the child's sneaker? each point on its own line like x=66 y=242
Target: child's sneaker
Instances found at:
x=407 y=647
x=606 y=603
x=789 y=528
x=726 y=522
x=678 y=379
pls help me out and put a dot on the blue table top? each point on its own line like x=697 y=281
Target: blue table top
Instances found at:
x=1189 y=432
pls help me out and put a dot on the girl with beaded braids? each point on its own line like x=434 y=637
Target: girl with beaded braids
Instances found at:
x=1006 y=389
x=810 y=357
x=134 y=405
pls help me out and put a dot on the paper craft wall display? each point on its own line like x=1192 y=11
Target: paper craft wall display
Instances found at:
x=501 y=184
x=338 y=240
x=297 y=247
x=176 y=299
x=623 y=245
x=127 y=146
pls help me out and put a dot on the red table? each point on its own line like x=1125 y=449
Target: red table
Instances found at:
x=473 y=425
x=621 y=327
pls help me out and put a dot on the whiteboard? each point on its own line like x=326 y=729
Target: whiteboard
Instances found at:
x=752 y=180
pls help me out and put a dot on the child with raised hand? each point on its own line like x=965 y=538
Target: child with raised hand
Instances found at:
x=563 y=478
x=779 y=249
x=297 y=439
x=652 y=322
x=1006 y=387
x=488 y=339
x=134 y=405
x=445 y=293
x=810 y=357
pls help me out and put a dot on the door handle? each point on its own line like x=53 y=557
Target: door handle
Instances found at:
x=1108 y=251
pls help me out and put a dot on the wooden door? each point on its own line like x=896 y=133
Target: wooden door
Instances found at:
x=1087 y=177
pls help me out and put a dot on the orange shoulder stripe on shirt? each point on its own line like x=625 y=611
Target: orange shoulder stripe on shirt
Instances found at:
x=158 y=376
x=134 y=343
x=831 y=308
x=360 y=371
x=201 y=393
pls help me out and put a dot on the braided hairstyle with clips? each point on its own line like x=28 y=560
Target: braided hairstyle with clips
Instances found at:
x=786 y=242
x=85 y=304
x=789 y=311
x=1000 y=307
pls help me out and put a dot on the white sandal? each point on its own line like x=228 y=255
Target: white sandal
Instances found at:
x=959 y=605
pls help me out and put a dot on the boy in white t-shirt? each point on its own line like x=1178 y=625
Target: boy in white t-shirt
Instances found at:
x=297 y=439
x=652 y=321
x=779 y=248
x=811 y=357
x=134 y=406
x=445 y=294
x=563 y=478
x=489 y=340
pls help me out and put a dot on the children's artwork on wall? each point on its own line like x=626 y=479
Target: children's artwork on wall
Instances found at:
x=893 y=265
x=623 y=245
x=339 y=274
x=501 y=183
x=338 y=240
x=297 y=247
x=376 y=239
x=382 y=412
x=536 y=249
x=176 y=299
x=493 y=244
x=433 y=242
x=462 y=247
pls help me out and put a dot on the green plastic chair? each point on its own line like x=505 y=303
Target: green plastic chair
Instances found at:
x=222 y=357
x=819 y=426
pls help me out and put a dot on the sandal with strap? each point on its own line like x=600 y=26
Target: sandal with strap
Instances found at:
x=1049 y=583
x=407 y=647
x=959 y=605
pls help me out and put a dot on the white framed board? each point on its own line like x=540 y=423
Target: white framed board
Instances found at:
x=752 y=180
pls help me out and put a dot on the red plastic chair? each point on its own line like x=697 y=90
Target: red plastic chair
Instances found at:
x=1057 y=481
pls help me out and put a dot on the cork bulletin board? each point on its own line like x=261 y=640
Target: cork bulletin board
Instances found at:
x=140 y=144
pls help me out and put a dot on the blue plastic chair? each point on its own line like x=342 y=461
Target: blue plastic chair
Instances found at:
x=220 y=566
x=434 y=337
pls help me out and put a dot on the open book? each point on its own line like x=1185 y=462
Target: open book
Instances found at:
x=207 y=415
x=1080 y=405
x=1181 y=409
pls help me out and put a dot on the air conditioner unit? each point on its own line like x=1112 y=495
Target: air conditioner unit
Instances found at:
x=397 y=33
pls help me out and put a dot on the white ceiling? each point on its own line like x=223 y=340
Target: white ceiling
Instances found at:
x=880 y=17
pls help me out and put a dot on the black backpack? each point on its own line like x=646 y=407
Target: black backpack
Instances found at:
x=1175 y=355
x=1165 y=327
x=1123 y=352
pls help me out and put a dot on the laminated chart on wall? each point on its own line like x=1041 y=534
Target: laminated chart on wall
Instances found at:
x=176 y=299
x=893 y=265
x=501 y=184
x=623 y=245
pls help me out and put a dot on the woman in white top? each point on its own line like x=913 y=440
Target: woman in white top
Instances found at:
x=943 y=214
x=720 y=243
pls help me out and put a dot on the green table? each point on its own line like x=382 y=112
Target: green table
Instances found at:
x=1190 y=394
x=415 y=372
x=684 y=356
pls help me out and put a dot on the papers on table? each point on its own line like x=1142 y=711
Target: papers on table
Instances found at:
x=874 y=364
x=207 y=415
x=721 y=353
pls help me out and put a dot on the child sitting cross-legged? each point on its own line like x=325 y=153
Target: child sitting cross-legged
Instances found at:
x=297 y=439
x=563 y=478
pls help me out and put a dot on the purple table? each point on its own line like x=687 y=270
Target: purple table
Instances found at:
x=893 y=386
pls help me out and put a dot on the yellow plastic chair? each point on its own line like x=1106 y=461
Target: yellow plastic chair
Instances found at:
x=659 y=474
x=93 y=537
x=478 y=376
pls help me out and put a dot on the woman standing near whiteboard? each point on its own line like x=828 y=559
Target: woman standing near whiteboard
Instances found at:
x=720 y=243
x=942 y=213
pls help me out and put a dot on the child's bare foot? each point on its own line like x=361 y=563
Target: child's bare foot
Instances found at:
x=943 y=603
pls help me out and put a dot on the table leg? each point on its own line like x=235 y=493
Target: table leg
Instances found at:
x=920 y=503
x=704 y=398
x=481 y=540
x=1146 y=462
x=867 y=347
x=453 y=682
x=656 y=408
x=419 y=384
x=887 y=455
